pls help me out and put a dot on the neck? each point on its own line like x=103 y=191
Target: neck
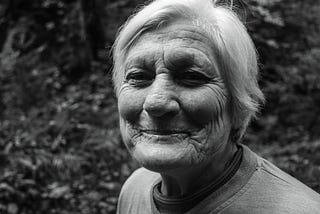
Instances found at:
x=187 y=181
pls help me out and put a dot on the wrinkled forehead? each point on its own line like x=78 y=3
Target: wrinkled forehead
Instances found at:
x=183 y=30
x=184 y=34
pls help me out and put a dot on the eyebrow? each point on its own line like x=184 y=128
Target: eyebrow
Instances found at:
x=135 y=61
x=186 y=58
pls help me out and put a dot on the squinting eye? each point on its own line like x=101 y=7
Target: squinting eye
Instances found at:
x=139 y=78
x=192 y=79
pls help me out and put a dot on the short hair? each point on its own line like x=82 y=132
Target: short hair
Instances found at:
x=235 y=51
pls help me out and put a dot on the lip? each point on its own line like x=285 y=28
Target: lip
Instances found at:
x=165 y=132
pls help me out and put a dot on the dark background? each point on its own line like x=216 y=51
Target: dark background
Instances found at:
x=60 y=148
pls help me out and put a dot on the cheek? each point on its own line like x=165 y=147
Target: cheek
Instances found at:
x=130 y=103
x=205 y=105
x=126 y=133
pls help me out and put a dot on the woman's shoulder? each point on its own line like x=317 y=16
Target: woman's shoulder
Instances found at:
x=140 y=179
x=135 y=193
x=272 y=188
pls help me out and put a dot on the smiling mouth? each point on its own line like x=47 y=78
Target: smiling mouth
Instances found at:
x=166 y=132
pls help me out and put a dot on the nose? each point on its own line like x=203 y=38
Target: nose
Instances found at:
x=161 y=99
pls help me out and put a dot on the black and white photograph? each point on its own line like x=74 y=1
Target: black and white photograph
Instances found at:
x=159 y=107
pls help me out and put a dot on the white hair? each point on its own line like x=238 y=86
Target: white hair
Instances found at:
x=235 y=51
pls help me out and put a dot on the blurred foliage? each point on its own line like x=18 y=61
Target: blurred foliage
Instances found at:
x=60 y=147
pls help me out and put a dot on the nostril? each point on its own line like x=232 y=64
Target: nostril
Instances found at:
x=160 y=105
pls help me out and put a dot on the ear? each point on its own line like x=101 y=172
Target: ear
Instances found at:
x=238 y=129
x=235 y=135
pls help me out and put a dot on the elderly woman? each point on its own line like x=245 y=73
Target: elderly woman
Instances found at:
x=185 y=75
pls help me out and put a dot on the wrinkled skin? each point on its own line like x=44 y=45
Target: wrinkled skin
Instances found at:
x=172 y=100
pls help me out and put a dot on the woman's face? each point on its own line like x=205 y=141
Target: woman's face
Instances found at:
x=172 y=100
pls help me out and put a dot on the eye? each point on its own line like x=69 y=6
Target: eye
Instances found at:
x=139 y=78
x=192 y=78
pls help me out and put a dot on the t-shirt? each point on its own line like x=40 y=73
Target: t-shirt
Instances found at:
x=258 y=187
x=183 y=203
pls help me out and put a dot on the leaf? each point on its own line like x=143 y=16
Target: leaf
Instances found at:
x=59 y=192
x=12 y=208
x=26 y=162
x=6 y=187
x=109 y=185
